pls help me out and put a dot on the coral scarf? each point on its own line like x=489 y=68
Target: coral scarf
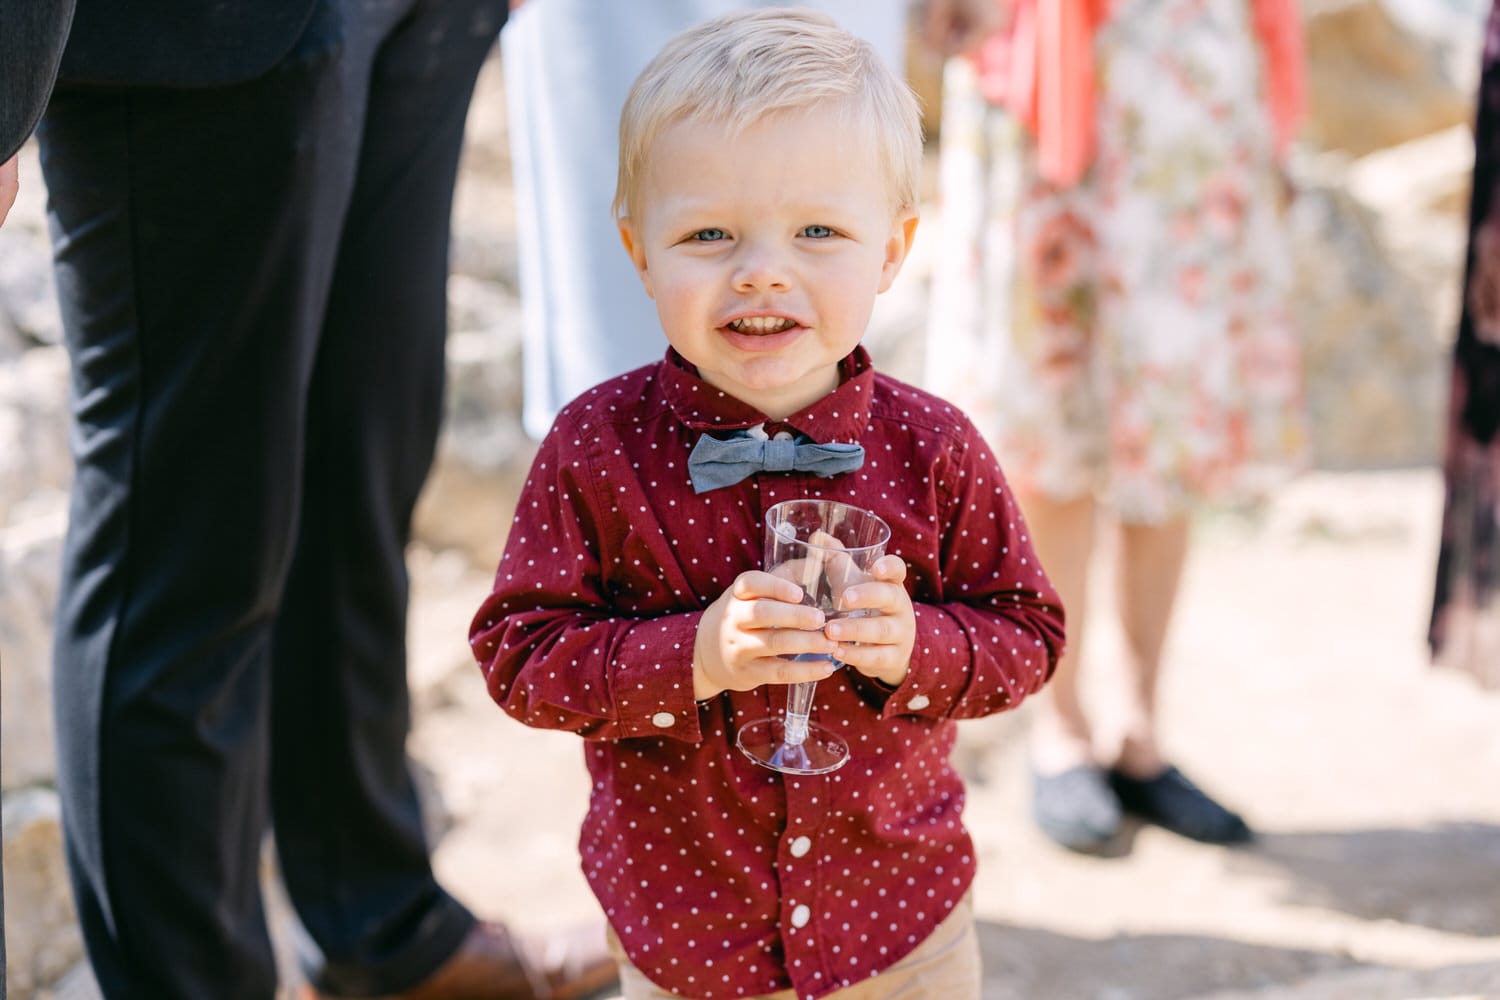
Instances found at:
x=1041 y=66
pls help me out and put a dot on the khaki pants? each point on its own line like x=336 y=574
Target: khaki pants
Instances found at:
x=944 y=967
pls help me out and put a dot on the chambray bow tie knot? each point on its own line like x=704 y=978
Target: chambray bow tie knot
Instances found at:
x=717 y=462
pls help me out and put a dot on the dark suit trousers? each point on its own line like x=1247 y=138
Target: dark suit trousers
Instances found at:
x=253 y=289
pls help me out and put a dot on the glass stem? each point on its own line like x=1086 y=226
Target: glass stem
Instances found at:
x=798 y=706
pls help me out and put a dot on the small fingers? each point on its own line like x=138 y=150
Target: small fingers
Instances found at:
x=769 y=616
x=876 y=630
x=808 y=667
x=789 y=642
x=758 y=584
x=874 y=596
x=890 y=569
x=887 y=663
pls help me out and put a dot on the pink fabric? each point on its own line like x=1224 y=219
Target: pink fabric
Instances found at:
x=1278 y=25
x=1040 y=66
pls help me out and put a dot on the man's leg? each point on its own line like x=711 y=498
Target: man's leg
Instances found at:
x=347 y=821
x=193 y=232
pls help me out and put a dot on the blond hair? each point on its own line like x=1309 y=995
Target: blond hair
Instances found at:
x=741 y=67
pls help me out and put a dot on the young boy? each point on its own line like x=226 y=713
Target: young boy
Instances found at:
x=767 y=194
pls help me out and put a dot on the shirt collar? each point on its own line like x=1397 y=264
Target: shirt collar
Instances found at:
x=842 y=415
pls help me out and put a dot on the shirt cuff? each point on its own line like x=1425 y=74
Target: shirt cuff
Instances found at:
x=939 y=673
x=653 y=679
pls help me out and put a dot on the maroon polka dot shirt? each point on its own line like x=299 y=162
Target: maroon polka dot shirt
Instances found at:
x=722 y=878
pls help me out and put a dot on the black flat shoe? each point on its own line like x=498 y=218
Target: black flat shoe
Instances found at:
x=1075 y=808
x=1174 y=803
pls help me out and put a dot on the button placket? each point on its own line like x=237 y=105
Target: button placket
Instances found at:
x=809 y=802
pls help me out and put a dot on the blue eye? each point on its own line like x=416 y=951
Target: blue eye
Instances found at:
x=818 y=232
x=710 y=235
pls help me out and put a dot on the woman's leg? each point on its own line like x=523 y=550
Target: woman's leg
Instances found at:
x=1071 y=800
x=1150 y=569
x=1062 y=532
x=1151 y=561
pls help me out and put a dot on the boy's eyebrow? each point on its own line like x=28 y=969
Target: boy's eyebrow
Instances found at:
x=836 y=201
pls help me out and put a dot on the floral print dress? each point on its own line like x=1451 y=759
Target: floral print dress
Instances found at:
x=1127 y=337
x=1465 y=631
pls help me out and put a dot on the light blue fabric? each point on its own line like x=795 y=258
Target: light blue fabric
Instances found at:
x=717 y=462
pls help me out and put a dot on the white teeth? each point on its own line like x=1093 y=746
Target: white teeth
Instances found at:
x=761 y=324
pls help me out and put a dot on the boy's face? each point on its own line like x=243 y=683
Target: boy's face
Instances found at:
x=765 y=249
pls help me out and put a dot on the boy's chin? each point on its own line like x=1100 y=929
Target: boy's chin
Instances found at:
x=780 y=393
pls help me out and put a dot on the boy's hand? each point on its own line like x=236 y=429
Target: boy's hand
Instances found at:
x=878 y=646
x=743 y=635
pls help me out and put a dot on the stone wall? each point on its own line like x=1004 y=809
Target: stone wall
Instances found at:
x=1381 y=179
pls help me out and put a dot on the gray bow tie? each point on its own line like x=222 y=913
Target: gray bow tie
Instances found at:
x=717 y=462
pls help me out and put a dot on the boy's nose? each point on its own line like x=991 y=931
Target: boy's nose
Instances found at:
x=760 y=268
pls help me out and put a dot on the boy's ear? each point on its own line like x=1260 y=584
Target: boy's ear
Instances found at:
x=636 y=249
x=897 y=246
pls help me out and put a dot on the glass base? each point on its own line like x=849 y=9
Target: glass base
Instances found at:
x=764 y=742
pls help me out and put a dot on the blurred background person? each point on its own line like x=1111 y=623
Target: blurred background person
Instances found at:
x=1109 y=304
x=568 y=65
x=1465 y=628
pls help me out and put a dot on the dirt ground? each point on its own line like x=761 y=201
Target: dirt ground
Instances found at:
x=1297 y=686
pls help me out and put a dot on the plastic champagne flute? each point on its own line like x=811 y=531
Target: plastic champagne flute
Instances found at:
x=824 y=547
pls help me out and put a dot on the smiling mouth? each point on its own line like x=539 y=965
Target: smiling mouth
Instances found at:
x=760 y=325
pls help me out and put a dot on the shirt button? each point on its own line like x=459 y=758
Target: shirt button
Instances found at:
x=918 y=703
x=801 y=846
x=801 y=915
x=663 y=720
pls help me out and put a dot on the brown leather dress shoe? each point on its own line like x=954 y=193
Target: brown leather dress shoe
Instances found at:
x=495 y=964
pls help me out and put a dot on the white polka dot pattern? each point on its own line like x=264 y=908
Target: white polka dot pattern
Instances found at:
x=723 y=879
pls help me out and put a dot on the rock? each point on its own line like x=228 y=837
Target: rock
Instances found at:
x=1430 y=174
x=1419 y=194
x=1374 y=364
x=28 y=298
x=29 y=559
x=35 y=466
x=1374 y=81
x=483 y=454
x=42 y=934
x=77 y=984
